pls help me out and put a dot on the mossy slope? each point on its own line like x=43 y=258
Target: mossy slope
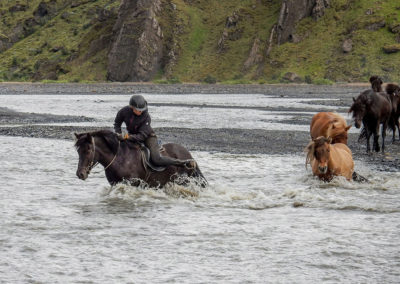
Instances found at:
x=71 y=41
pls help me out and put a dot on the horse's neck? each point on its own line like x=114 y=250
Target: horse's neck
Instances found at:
x=103 y=152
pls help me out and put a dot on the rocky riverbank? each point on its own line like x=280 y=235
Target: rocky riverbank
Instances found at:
x=237 y=141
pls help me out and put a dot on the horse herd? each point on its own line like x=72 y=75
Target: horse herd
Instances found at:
x=327 y=153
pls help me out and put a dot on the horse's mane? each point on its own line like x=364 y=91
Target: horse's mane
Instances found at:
x=109 y=137
x=336 y=128
x=310 y=149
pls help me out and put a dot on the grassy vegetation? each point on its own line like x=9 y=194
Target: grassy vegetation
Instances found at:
x=61 y=43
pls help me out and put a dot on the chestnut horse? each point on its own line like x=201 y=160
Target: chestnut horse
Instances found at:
x=328 y=160
x=123 y=161
x=372 y=109
x=329 y=124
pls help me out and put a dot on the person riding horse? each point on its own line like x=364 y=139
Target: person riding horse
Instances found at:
x=137 y=120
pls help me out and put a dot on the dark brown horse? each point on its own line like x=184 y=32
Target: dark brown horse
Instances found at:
x=393 y=91
x=372 y=109
x=123 y=161
x=376 y=83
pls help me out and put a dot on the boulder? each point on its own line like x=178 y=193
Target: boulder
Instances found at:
x=395 y=28
x=347 y=45
x=391 y=48
x=375 y=26
x=292 y=77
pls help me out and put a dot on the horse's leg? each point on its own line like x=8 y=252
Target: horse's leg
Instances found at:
x=398 y=129
x=376 y=138
x=369 y=133
x=384 y=127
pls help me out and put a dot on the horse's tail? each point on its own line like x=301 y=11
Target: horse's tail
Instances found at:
x=201 y=180
x=359 y=178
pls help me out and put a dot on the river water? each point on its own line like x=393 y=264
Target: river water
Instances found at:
x=263 y=219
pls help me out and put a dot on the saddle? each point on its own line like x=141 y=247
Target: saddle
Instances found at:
x=147 y=163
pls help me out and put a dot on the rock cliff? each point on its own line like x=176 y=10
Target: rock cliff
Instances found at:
x=137 y=46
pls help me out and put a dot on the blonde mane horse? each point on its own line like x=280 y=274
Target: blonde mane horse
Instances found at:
x=328 y=160
x=329 y=124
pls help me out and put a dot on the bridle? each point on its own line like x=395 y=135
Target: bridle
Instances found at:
x=93 y=164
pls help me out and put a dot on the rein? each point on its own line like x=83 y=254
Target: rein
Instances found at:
x=94 y=164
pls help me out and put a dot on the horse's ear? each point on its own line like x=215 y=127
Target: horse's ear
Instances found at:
x=76 y=135
x=354 y=99
x=347 y=128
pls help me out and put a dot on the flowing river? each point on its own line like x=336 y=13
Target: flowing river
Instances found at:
x=263 y=219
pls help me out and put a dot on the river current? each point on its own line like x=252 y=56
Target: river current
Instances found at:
x=263 y=219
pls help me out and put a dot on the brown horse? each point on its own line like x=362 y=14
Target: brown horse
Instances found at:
x=328 y=160
x=372 y=109
x=329 y=124
x=123 y=161
x=376 y=83
x=393 y=90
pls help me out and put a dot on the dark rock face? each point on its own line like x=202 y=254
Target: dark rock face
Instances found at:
x=292 y=11
x=137 y=48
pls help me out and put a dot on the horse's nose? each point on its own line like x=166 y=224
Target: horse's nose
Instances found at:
x=81 y=175
x=323 y=170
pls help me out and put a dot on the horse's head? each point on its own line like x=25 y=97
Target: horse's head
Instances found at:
x=319 y=150
x=86 y=149
x=338 y=132
x=358 y=108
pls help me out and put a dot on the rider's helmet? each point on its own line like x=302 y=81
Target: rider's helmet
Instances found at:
x=138 y=102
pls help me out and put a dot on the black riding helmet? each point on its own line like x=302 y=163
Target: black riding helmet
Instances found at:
x=138 y=102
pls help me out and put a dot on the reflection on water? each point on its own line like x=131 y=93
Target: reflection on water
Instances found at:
x=260 y=214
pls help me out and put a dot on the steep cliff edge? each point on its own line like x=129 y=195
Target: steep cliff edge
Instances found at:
x=137 y=48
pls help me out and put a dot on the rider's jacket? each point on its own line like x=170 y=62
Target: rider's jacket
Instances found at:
x=138 y=126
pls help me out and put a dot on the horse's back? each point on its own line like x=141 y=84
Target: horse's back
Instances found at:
x=176 y=151
x=342 y=160
x=322 y=124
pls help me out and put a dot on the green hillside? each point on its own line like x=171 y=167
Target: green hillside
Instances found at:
x=70 y=42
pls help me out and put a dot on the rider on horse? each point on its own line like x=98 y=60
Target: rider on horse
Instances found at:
x=137 y=120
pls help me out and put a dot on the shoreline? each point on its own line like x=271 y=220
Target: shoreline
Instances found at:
x=14 y=88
